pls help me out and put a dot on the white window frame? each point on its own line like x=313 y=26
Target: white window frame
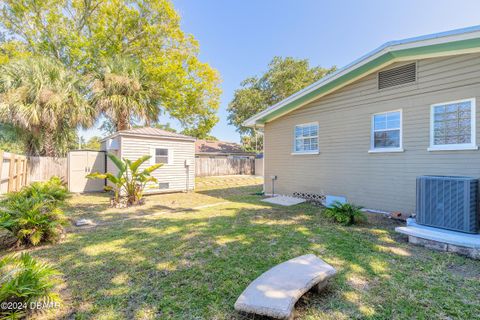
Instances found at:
x=461 y=146
x=153 y=154
x=294 y=152
x=372 y=134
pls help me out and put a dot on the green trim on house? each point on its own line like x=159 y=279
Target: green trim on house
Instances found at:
x=371 y=65
x=438 y=48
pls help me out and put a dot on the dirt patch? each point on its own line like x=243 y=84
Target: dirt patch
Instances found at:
x=379 y=220
x=468 y=270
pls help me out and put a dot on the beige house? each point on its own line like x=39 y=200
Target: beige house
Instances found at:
x=175 y=151
x=366 y=132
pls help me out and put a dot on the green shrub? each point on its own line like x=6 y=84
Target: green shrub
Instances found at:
x=345 y=213
x=33 y=215
x=26 y=281
x=53 y=189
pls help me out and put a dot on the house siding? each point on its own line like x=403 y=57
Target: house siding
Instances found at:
x=382 y=181
x=175 y=173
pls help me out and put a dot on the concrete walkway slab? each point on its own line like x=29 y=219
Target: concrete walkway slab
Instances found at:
x=284 y=200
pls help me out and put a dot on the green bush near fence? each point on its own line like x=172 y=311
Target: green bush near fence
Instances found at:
x=34 y=214
x=53 y=190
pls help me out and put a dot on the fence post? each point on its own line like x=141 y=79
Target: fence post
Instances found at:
x=1 y=167
x=11 y=172
x=17 y=171
x=27 y=173
x=18 y=176
x=25 y=166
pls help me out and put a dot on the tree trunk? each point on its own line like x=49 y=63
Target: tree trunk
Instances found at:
x=31 y=149
x=33 y=143
x=49 y=145
x=123 y=123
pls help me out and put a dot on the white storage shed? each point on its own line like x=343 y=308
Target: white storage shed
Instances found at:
x=174 y=150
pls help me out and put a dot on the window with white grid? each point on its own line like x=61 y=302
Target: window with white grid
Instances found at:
x=306 y=138
x=387 y=130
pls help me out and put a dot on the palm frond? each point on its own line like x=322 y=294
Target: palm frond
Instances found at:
x=44 y=98
x=123 y=91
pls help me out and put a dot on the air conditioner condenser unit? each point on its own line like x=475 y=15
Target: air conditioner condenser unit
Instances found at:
x=448 y=202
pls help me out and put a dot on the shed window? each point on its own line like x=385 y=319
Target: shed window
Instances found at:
x=306 y=138
x=387 y=130
x=453 y=125
x=161 y=155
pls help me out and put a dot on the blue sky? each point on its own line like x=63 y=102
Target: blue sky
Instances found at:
x=239 y=38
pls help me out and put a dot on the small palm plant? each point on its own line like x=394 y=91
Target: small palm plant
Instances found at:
x=345 y=213
x=34 y=215
x=130 y=180
x=53 y=190
x=33 y=220
x=26 y=281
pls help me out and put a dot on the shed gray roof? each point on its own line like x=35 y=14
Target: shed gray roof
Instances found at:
x=150 y=132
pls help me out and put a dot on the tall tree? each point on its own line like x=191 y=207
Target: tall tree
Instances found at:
x=94 y=143
x=83 y=33
x=45 y=101
x=199 y=135
x=10 y=139
x=284 y=77
x=167 y=126
x=13 y=49
x=253 y=143
x=123 y=91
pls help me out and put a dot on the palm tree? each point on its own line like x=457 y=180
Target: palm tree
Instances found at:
x=44 y=100
x=124 y=93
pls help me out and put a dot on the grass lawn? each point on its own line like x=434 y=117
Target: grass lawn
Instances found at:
x=189 y=256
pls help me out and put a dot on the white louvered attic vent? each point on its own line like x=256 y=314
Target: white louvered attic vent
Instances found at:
x=397 y=76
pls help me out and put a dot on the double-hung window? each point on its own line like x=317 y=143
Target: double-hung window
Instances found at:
x=306 y=138
x=386 y=132
x=452 y=125
x=161 y=155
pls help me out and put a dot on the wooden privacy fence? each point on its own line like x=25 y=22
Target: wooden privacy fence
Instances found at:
x=219 y=167
x=17 y=170
x=43 y=168
x=13 y=172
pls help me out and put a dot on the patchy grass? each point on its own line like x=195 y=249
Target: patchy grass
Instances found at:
x=167 y=260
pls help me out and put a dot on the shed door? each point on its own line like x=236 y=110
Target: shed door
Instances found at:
x=81 y=163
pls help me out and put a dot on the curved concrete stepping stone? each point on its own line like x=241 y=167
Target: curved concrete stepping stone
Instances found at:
x=84 y=222
x=276 y=291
